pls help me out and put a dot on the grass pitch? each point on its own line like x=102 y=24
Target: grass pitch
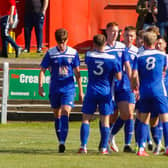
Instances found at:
x=34 y=145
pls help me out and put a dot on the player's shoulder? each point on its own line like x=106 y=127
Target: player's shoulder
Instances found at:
x=133 y=49
x=52 y=52
x=100 y=55
x=140 y=49
x=120 y=45
x=153 y=53
x=71 y=50
x=117 y=47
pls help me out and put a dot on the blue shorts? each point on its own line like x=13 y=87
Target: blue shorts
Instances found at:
x=104 y=103
x=155 y=105
x=137 y=105
x=125 y=96
x=58 y=99
x=114 y=105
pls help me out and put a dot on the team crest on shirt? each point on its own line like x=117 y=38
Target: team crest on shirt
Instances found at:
x=132 y=56
x=119 y=54
x=69 y=60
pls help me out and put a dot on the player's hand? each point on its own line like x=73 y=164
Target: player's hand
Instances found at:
x=43 y=12
x=136 y=92
x=41 y=91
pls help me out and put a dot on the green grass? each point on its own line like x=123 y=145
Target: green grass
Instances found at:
x=34 y=55
x=34 y=145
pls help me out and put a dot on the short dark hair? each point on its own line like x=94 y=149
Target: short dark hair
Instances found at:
x=130 y=28
x=111 y=24
x=61 y=35
x=140 y=33
x=99 y=40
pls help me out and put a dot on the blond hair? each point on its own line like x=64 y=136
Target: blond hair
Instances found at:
x=150 y=38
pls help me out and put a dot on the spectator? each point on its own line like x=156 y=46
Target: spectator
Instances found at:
x=162 y=18
x=34 y=17
x=7 y=15
x=147 y=10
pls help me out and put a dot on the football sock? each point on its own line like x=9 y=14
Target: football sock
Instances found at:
x=128 y=129
x=57 y=124
x=155 y=134
x=142 y=129
x=165 y=133
x=104 y=136
x=160 y=125
x=148 y=139
x=117 y=126
x=136 y=130
x=100 y=126
x=111 y=126
x=84 y=134
x=64 y=128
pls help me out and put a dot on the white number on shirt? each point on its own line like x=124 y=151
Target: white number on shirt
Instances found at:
x=150 y=63
x=99 y=67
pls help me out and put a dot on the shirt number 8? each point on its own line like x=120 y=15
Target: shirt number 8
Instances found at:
x=150 y=63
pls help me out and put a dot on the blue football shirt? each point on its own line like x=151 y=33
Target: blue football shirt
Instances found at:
x=150 y=65
x=131 y=53
x=101 y=70
x=61 y=66
x=119 y=51
x=166 y=76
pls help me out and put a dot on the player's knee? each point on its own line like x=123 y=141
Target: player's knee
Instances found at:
x=57 y=115
x=113 y=118
x=65 y=110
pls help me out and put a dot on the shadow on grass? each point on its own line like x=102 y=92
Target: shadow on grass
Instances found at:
x=46 y=151
x=29 y=151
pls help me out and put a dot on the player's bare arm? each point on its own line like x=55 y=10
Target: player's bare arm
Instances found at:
x=41 y=77
x=128 y=69
x=45 y=6
x=79 y=81
x=118 y=76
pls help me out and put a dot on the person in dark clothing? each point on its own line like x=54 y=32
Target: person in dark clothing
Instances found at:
x=147 y=10
x=7 y=15
x=35 y=11
x=162 y=18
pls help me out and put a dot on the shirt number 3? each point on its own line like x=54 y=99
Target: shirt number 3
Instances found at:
x=99 y=67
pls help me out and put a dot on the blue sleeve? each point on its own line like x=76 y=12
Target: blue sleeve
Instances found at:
x=125 y=55
x=76 y=61
x=165 y=61
x=86 y=58
x=117 y=67
x=135 y=64
x=46 y=61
